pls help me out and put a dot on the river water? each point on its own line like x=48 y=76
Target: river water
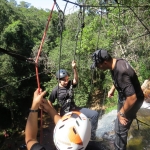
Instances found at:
x=137 y=139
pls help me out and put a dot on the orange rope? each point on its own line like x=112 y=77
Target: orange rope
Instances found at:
x=36 y=67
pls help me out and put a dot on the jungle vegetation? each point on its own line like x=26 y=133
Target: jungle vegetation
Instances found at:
x=122 y=27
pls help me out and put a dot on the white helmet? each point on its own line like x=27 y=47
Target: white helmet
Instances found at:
x=73 y=131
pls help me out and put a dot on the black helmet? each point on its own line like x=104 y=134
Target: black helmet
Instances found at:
x=61 y=74
x=99 y=56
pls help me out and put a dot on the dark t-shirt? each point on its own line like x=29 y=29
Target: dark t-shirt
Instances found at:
x=126 y=81
x=64 y=95
x=37 y=146
x=90 y=146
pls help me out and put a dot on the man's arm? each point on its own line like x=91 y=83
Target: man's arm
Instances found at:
x=75 y=80
x=48 y=107
x=31 y=128
x=129 y=102
x=131 y=98
x=32 y=124
x=111 y=91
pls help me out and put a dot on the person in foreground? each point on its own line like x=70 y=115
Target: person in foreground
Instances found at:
x=72 y=131
x=64 y=93
x=31 y=128
x=130 y=95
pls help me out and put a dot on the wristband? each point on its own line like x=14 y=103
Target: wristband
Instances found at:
x=121 y=114
x=30 y=110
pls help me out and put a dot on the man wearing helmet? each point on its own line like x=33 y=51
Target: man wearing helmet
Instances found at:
x=130 y=95
x=64 y=93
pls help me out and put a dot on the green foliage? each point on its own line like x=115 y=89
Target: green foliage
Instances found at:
x=24 y=4
x=144 y=70
x=14 y=36
x=111 y=103
x=123 y=31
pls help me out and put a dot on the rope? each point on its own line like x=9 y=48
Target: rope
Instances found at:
x=40 y=48
x=65 y=7
x=60 y=30
x=137 y=120
x=77 y=34
x=98 y=33
x=118 y=19
x=80 y=27
x=139 y=19
x=36 y=66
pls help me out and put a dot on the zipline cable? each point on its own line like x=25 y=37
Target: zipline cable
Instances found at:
x=21 y=80
x=99 y=32
x=139 y=19
x=135 y=14
x=60 y=30
x=36 y=61
x=71 y=2
x=81 y=25
x=17 y=56
x=110 y=5
x=119 y=21
x=65 y=7
x=78 y=31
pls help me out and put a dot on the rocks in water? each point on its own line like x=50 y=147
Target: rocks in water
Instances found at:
x=137 y=139
x=106 y=124
x=145 y=105
x=92 y=145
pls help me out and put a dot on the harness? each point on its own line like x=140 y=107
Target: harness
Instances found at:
x=67 y=104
